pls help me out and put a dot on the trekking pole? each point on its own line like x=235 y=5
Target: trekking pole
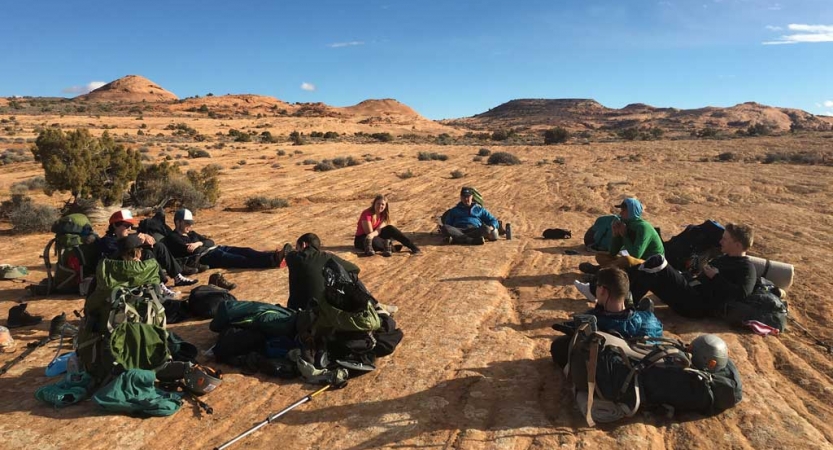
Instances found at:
x=273 y=417
x=30 y=348
x=813 y=337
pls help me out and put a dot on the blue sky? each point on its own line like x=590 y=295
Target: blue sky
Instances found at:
x=443 y=58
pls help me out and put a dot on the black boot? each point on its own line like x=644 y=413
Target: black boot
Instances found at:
x=18 y=317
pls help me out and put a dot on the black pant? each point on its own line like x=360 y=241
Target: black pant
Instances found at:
x=163 y=256
x=388 y=232
x=466 y=236
x=672 y=288
x=560 y=350
x=225 y=257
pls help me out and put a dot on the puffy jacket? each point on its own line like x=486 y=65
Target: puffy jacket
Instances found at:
x=641 y=240
x=462 y=216
x=629 y=323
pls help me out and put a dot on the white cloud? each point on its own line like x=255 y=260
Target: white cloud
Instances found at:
x=773 y=28
x=307 y=86
x=805 y=34
x=828 y=104
x=345 y=44
x=828 y=113
x=91 y=86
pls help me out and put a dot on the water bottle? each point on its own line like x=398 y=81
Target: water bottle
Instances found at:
x=508 y=231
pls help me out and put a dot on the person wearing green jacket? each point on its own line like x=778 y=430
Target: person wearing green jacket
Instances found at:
x=631 y=234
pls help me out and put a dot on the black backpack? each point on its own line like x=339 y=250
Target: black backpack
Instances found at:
x=204 y=300
x=696 y=245
x=764 y=304
x=614 y=378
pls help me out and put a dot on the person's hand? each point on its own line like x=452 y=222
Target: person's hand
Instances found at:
x=147 y=239
x=193 y=246
x=710 y=271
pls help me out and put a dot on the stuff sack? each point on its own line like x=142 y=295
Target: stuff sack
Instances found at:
x=688 y=390
x=764 y=304
x=271 y=320
x=204 y=300
x=694 y=247
x=134 y=391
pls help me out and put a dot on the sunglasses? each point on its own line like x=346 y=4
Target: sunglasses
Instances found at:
x=127 y=225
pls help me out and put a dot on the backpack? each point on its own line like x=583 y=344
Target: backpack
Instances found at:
x=75 y=259
x=124 y=322
x=695 y=246
x=764 y=304
x=347 y=304
x=613 y=378
x=204 y=300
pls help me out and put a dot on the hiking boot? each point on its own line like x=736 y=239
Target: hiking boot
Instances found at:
x=188 y=270
x=584 y=288
x=19 y=317
x=398 y=248
x=167 y=292
x=368 y=247
x=217 y=279
x=183 y=281
x=654 y=264
x=416 y=252
x=388 y=251
x=59 y=327
x=646 y=304
x=590 y=268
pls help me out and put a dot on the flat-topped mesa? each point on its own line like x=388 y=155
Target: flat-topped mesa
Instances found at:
x=543 y=107
x=130 y=88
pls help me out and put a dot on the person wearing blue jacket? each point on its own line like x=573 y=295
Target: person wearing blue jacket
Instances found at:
x=612 y=314
x=469 y=223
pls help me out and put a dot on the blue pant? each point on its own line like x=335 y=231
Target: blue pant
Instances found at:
x=225 y=257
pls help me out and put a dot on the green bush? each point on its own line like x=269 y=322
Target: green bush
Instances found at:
x=455 y=174
x=330 y=135
x=557 y=135
x=198 y=153
x=324 y=166
x=628 y=134
x=267 y=138
x=297 y=138
x=502 y=135
x=310 y=162
x=758 y=129
x=26 y=216
x=382 y=137
x=477 y=158
x=86 y=166
x=431 y=156
x=14 y=156
x=484 y=152
x=503 y=158
x=281 y=152
x=725 y=157
x=261 y=203
x=32 y=184
x=406 y=174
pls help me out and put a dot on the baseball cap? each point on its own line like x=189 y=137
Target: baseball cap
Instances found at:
x=466 y=191
x=626 y=202
x=130 y=242
x=184 y=214
x=123 y=215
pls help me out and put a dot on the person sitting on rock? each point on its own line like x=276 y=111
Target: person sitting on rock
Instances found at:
x=185 y=242
x=468 y=223
x=727 y=278
x=374 y=232
x=631 y=234
x=121 y=224
x=612 y=313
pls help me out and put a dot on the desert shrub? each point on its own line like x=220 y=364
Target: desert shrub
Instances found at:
x=182 y=129
x=503 y=158
x=431 y=156
x=656 y=132
x=32 y=184
x=261 y=203
x=628 y=134
x=276 y=166
x=444 y=139
x=242 y=162
x=455 y=174
x=298 y=152
x=559 y=160
x=707 y=132
x=84 y=165
x=281 y=152
x=557 y=135
x=758 y=129
x=484 y=152
x=198 y=153
x=297 y=138
x=330 y=135
x=266 y=137
x=324 y=166
x=206 y=181
x=805 y=158
x=14 y=156
x=382 y=137
x=727 y=156
x=310 y=162
x=28 y=217
x=477 y=158
x=502 y=135
x=406 y=174
x=345 y=161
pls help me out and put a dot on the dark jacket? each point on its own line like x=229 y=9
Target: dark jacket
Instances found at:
x=734 y=282
x=306 y=279
x=178 y=243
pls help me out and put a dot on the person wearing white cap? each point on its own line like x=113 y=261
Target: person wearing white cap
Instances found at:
x=185 y=242
x=121 y=224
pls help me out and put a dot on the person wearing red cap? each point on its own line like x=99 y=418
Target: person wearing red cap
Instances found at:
x=121 y=223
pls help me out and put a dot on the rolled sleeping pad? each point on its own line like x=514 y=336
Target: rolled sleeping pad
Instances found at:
x=781 y=274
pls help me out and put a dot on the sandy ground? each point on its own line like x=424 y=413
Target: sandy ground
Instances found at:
x=474 y=369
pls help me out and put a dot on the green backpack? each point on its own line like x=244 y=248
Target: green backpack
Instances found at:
x=124 y=323
x=75 y=259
